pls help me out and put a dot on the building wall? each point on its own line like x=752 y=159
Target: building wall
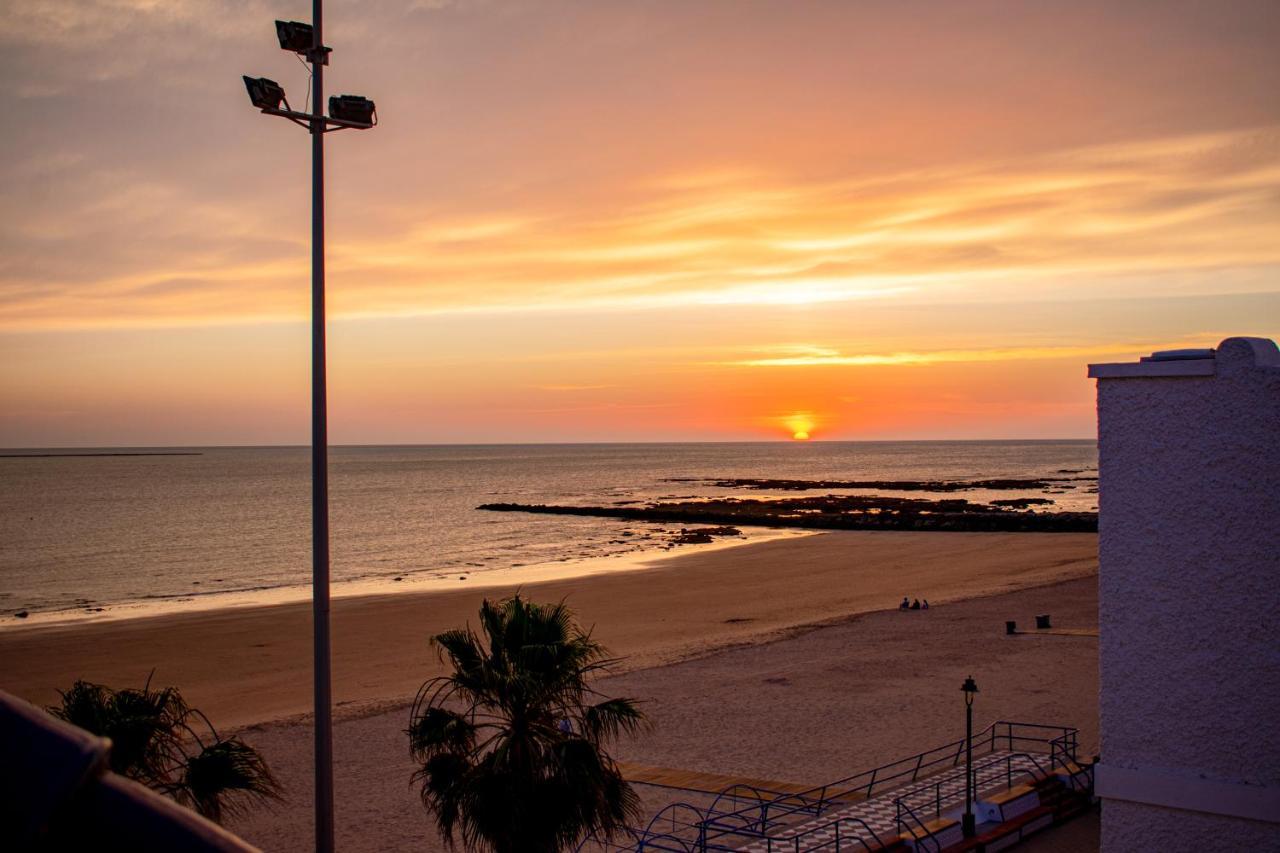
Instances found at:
x=1189 y=593
x=1128 y=826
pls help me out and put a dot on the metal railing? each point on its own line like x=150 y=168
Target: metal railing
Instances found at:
x=745 y=812
x=981 y=778
x=851 y=833
x=924 y=839
x=864 y=785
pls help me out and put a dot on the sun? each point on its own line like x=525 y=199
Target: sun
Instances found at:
x=800 y=425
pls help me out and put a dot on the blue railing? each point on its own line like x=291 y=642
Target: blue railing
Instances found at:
x=1002 y=734
x=744 y=812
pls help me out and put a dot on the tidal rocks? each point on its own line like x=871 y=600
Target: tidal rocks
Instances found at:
x=702 y=535
x=1023 y=503
x=777 y=485
x=834 y=512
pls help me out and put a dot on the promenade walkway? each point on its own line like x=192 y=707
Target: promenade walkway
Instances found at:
x=928 y=798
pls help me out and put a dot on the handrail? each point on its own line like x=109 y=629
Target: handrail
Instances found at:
x=933 y=839
x=907 y=818
x=670 y=813
x=793 y=803
x=941 y=802
x=1081 y=770
x=820 y=797
x=855 y=821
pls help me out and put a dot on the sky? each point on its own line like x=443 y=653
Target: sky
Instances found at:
x=694 y=220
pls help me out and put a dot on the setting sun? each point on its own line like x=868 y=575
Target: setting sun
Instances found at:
x=800 y=425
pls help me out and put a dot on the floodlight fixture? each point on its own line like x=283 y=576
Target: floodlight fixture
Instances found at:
x=353 y=108
x=346 y=111
x=265 y=94
x=296 y=36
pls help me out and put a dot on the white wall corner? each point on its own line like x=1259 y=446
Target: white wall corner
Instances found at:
x=1175 y=790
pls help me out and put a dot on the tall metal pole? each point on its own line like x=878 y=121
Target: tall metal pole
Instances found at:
x=968 y=823
x=320 y=459
x=968 y=767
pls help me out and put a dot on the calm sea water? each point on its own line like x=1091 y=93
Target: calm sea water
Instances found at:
x=87 y=532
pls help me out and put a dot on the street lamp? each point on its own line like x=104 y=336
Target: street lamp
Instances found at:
x=968 y=825
x=347 y=111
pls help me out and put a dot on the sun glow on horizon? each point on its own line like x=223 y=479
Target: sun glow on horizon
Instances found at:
x=758 y=237
x=800 y=425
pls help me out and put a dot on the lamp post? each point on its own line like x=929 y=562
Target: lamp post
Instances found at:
x=968 y=825
x=345 y=111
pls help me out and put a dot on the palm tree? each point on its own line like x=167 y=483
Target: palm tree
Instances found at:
x=511 y=742
x=154 y=740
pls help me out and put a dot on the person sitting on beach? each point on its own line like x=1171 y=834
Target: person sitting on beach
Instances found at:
x=915 y=605
x=905 y=604
x=925 y=606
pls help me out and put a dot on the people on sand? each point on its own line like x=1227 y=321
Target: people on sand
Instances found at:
x=905 y=604
x=915 y=605
x=925 y=606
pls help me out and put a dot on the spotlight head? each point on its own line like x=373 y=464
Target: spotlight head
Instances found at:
x=353 y=108
x=295 y=36
x=265 y=94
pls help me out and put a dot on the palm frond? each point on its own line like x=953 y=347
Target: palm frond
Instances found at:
x=511 y=753
x=225 y=778
x=439 y=730
x=156 y=740
x=611 y=719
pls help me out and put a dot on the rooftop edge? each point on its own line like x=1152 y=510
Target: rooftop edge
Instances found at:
x=1257 y=352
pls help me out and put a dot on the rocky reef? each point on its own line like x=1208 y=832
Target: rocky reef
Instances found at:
x=837 y=512
x=783 y=485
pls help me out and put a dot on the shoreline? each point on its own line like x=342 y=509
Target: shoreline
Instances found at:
x=421 y=581
x=252 y=665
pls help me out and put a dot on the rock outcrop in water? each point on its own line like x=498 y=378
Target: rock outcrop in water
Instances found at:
x=702 y=535
x=834 y=512
x=783 y=485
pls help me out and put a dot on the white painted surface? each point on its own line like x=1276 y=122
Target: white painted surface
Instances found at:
x=1193 y=793
x=1189 y=587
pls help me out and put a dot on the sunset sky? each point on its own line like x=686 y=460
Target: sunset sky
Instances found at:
x=622 y=221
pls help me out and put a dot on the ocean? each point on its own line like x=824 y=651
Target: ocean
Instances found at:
x=90 y=535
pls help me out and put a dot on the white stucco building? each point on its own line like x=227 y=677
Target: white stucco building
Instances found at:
x=1189 y=599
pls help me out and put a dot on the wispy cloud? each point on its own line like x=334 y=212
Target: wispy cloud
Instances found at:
x=814 y=356
x=1207 y=202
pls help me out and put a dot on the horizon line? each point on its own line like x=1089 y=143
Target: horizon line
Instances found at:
x=786 y=441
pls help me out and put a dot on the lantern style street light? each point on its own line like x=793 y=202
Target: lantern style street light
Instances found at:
x=345 y=111
x=968 y=825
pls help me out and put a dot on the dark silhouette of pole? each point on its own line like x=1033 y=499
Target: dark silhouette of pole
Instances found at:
x=968 y=824
x=346 y=111
x=320 y=459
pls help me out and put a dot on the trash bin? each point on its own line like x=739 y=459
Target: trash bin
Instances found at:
x=1043 y=621
x=1011 y=627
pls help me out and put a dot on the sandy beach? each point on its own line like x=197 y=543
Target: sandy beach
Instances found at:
x=253 y=664
x=783 y=660
x=809 y=706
